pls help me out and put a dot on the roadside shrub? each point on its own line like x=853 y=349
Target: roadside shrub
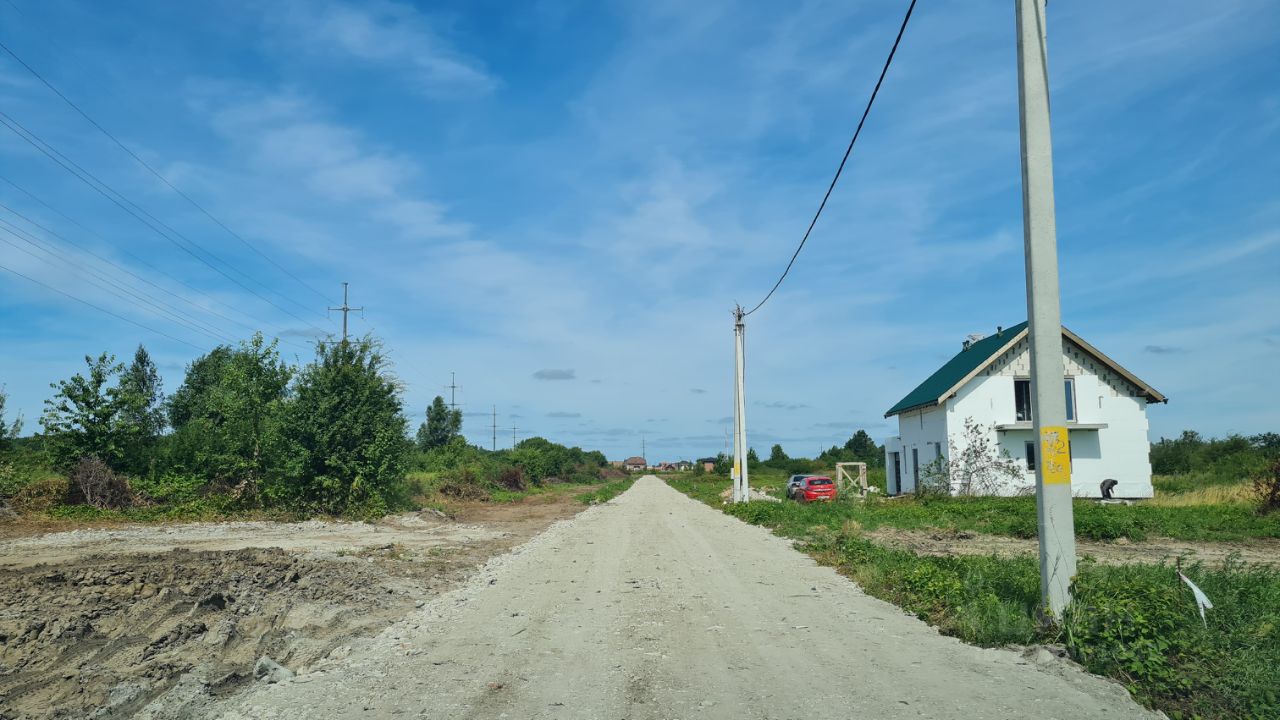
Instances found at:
x=511 y=478
x=1267 y=486
x=463 y=485
x=42 y=494
x=170 y=488
x=93 y=483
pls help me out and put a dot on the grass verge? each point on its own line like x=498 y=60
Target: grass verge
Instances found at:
x=1137 y=624
x=605 y=492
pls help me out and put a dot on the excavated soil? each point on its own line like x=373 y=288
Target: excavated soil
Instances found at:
x=952 y=542
x=97 y=623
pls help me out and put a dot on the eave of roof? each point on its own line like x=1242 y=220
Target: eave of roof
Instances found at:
x=962 y=368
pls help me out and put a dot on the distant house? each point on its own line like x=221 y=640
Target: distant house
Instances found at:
x=684 y=465
x=665 y=467
x=989 y=381
x=634 y=463
x=708 y=464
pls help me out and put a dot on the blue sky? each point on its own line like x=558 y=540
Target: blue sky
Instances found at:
x=562 y=201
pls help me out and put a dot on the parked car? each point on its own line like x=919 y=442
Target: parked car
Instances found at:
x=794 y=481
x=815 y=488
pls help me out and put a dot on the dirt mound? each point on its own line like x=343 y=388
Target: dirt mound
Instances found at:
x=105 y=635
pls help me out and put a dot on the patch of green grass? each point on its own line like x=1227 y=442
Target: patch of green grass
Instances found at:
x=1136 y=623
x=605 y=492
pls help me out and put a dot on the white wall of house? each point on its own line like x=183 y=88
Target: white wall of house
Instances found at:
x=922 y=435
x=1108 y=436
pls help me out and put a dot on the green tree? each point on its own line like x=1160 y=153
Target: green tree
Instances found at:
x=192 y=399
x=345 y=432
x=777 y=455
x=142 y=413
x=752 y=458
x=83 y=419
x=442 y=425
x=862 y=446
x=227 y=412
x=7 y=432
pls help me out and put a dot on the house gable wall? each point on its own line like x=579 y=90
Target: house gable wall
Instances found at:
x=1119 y=451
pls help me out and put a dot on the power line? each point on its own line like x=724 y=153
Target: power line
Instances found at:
x=845 y=159
x=83 y=248
x=101 y=309
x=102 y=281
x=141 y=261
x=123 y=203
x=100 y=258
x=156 y=173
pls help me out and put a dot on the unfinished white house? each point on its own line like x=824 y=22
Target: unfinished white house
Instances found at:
x=990 y=382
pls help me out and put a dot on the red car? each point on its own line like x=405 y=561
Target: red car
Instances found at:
x=815 y=488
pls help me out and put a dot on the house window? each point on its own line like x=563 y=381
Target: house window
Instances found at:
x=1022 y=399
x=1031 y=456
x=937 y=451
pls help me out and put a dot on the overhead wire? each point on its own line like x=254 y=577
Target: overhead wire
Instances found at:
x=83 y=248
x=883 y=71
x=157 y=173
x=124 y=203
x=103 y=282
x=101 y=309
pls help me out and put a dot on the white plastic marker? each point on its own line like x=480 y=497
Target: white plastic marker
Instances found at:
x=1202 y=600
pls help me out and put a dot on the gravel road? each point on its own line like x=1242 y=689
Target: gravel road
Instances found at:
x=656 y=606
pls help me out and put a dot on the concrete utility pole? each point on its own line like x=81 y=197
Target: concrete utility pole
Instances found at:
x=741 y=485
x=346 y=309
x=1053 y=461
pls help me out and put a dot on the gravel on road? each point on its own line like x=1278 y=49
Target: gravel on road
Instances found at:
x=657 y=606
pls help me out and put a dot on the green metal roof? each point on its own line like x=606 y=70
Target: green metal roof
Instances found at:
x=930 y=391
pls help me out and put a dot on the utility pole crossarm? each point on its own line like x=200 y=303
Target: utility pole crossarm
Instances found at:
x=346 y=308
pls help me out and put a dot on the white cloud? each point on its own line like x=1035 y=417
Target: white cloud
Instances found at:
x=388 y=35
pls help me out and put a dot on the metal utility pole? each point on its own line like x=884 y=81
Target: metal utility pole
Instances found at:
x=495 y=428
x=452 y=387
x=643 y=450
x=1053 y=461
x=514 y=430
x=346 y=309
x=741 y=485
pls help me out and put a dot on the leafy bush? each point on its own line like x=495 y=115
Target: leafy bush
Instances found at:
x=170 y=488
x=344 y=435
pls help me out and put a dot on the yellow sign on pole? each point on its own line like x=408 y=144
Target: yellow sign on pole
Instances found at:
x=1055 y=454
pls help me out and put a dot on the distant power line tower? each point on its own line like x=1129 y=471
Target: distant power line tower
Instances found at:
x=452 y=387
x=346 y=308
x=495 y=428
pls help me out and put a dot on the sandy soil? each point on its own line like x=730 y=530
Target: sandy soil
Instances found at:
x=952 y=542
x=657 y=606
x=100 y=622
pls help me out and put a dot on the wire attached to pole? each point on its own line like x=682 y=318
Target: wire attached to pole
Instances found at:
x=888 y=61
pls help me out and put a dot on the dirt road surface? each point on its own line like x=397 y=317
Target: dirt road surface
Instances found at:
x=656 y=606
